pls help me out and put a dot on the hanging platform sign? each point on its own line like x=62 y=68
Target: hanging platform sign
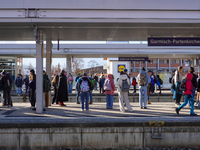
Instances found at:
x=173 y=41
x=133 y=59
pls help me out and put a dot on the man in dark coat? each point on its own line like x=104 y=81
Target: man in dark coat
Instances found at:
x=62 y=89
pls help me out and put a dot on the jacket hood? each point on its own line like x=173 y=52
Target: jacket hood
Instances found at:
x=85 y=78
x=189 y=76
x=142 y=72
x=109 y=77
x=123 y=77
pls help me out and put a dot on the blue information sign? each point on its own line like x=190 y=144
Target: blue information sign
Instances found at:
x=133 y=59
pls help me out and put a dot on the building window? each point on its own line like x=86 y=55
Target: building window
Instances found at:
x=173 y=61
x=161 y=61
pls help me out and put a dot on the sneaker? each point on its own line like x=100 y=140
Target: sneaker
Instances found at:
x=32 y=107
x=193 y=114
x=177 y=111
x=107 y=108
x=145 y=107
x=177 y=105
x=63 y=105
x=141 y=107
x=82 y=109
x=44 y=109
x=77 y=102
x=90 y=102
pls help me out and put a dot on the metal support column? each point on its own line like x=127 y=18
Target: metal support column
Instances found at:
x=134 y=66
x=69 y=64
x=169 y=65
x=146 y=66
x=157 y=64
x=39 y=73
x=181 y=64
x=48 y=62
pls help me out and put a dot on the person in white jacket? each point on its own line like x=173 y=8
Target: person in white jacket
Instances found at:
x=123 y=96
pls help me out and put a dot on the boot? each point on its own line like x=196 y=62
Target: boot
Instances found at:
x=148 y=102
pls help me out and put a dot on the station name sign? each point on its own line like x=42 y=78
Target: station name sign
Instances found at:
x=173 y=41
x=133 y=59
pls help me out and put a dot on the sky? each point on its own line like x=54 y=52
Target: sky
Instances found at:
x=62 y=61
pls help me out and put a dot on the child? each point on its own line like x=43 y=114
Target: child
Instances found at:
x=188 y=96
x=109 y=88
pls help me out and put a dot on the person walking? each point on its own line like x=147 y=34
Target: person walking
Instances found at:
x=109 y=88
x=84 y=86
x=177 y=81
x=70 y=83
x=18 y=83
x=55 y=87
x=123 y=84
x=32 y=88
x=101 y=83
x=93 y=84
x=26 y=82
x=188 y=95
x=194 y=82
x=171 y=80
x=6 y=85
x=143 y=80
x=62 y=89
x=134 y=84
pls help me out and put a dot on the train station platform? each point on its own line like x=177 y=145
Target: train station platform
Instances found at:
x=58 y=127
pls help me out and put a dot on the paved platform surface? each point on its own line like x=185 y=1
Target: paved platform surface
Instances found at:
x=21 y=113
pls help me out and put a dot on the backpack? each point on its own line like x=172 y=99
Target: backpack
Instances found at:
x=125 y=86
x=142 y=80
x=94 y=83
x=107 y=85
x=84 y=86
x=182 y=85
x=161 y=81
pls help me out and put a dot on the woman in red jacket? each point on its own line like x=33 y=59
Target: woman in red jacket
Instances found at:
x=109 y=87
x=134 y=83
x=188 y=95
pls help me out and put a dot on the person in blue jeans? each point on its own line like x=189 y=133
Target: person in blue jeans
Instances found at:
x=70 y=83
x=84 y=88
x=188 y=96
x=18 y=83
x=109 y=88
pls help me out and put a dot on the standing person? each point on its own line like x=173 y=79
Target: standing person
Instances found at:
x=70 y=83
x=194 y=81
x=149 y=87
x=93 y=84
x=153 y=77
x=77 y=77
x=177 y=81
x=109 y=87
x=171 y=80
x=7 y=85
x=188 y=95
x=143 y=80
x=101 y=83
x=46 y=89
x=159 y=83
x=18 y=83
x=26 y=82
x=96 y=79
x=62 y=89
x=78 y=92
x=32 y=88
x=198 y=92
x=1 y=93
x=84 y=86
x=123 y=84
x=55 y=87
x=134 y=84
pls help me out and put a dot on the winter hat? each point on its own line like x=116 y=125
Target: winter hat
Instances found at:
x=125 y=70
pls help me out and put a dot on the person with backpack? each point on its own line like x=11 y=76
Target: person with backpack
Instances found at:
x=18 y=83
x=101 y=83
x=55 y=87
x=84 y=87
x=177 y=81
x=96 y=80
x=143 y=80
x=26 y=82
x=187 y=88
x=46 y=89
x=134 y=84
x=77 y=91
x=32 y=88
x=70 y=83
x=62 y=89
x=171 y=80
x=159 y=83
x=6 y=82
x=123 y=84
x=109 y=88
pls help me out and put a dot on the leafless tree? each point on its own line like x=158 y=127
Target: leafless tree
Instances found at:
x=77 y=65
x=30 y=66
x=93 y=65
